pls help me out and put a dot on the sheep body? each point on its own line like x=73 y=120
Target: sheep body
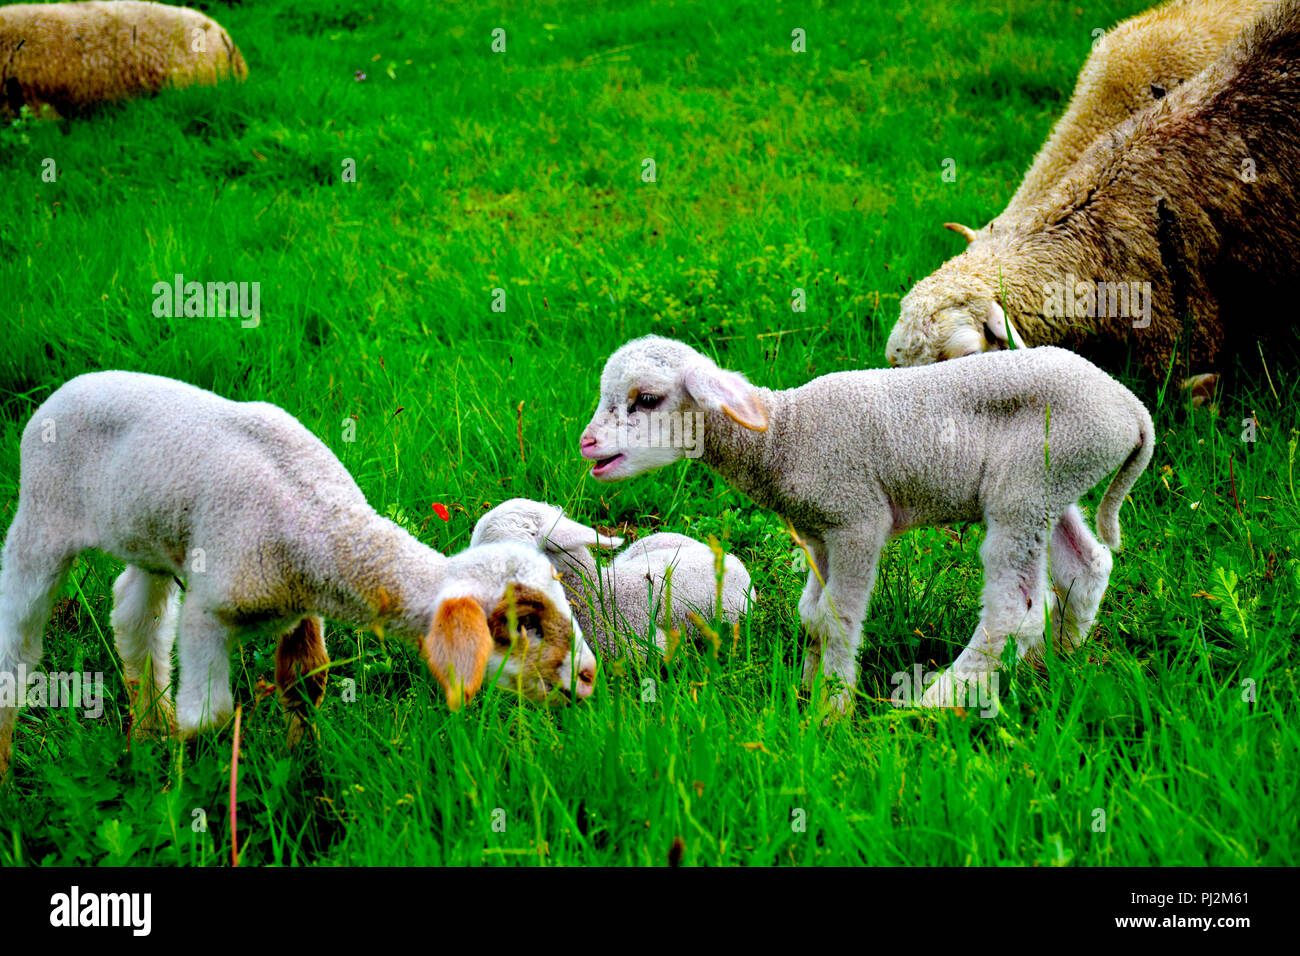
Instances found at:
x=626 y=597
x=268 y=532
x=1128 y=70
x=72 y=56
x=1193 y=200
x=853 y=458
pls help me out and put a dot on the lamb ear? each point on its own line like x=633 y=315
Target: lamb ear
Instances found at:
x=964 y=231
x=716 y=389
x=568 y=535
x=997 y=323
x=457 y=648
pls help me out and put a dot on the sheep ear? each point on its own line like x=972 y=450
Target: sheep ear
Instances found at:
x=568 y=535
x=457 y=648
x=964 y=231
x=716 y=389
x=998 y=324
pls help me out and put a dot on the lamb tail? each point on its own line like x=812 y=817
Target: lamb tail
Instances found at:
x=1125 y=478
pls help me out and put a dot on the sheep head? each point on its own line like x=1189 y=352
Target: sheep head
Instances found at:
x=542 y=655
x=944 y=317
x=654 y=395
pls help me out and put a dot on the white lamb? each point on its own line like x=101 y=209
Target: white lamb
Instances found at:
x=626 y=597
x=853 y=458
x=268 y=533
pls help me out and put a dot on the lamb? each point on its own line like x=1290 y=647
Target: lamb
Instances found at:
x=263 y=528
x=1186 y=212
x=64 y=58
x=852 y=459
x=627 y=597
x=1129 y=69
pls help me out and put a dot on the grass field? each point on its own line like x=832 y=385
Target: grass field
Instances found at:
x=1172 y=739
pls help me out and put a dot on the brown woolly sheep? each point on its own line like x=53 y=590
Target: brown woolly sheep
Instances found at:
x=1189 y=211
x=1129 y=69
x=62 y=58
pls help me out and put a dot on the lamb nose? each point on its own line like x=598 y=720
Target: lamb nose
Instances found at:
x=588 y=441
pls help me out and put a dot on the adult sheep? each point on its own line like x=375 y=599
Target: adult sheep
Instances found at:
x=1129 y=69
x=1188 y=213
x=69 y=57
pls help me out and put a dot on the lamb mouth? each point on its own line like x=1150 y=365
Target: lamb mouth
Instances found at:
x=605 y=464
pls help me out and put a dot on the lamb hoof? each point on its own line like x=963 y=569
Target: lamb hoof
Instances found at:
x=299 y=730
x=151 y=717
x=841 y=702
x=158 y=721
x=941 y=692
x=835 y=701
x=190 y=725
x=1201 y=389
x=977 y=691
x=812 y=659
x=811 y=665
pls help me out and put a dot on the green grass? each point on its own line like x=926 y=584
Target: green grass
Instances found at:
x=522 y=171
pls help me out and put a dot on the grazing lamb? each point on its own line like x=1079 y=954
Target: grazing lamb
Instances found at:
x=626 y=597
x=853 y=458
x=268 y=533
x=1129 y=69
x=1189 y=211
x=73 y=56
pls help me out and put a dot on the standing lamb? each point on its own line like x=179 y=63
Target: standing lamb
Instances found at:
x=1129 y=69
x=1189 y=211
x=852 y=459
x=73 y=56
x=268 y=533
x=626 y=598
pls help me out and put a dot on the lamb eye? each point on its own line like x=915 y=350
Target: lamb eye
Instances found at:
x=528 y=627
x=647 y=402
x=1157 y=91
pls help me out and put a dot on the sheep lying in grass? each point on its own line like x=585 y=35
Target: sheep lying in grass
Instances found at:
x=268 y=533
x=1129 y=69
x=853 y=458
x=68 y=57
x=1188 y=212
x=627 y=596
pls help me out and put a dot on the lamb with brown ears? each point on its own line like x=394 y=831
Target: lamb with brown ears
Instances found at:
x=268 y=533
